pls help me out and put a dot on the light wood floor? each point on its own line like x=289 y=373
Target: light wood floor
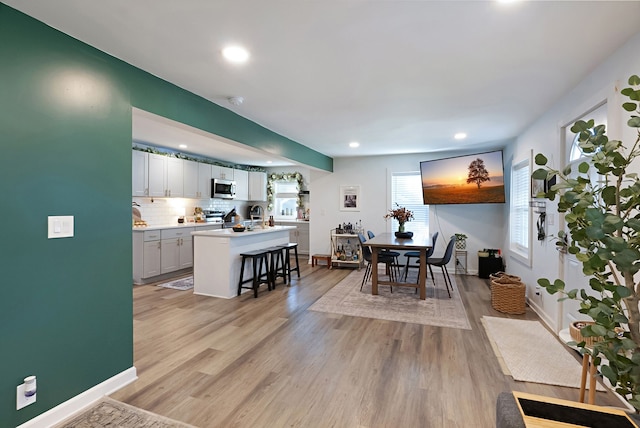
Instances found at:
x=269 y=362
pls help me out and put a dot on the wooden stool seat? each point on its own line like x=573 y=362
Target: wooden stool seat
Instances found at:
x=321 y=257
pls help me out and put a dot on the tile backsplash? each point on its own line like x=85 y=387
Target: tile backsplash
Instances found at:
x=165 y=211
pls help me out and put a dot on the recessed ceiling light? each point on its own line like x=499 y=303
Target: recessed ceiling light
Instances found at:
x=183 y=146
x=460 y=136
x=269 y=161
x=235 y=54
x=354 y=144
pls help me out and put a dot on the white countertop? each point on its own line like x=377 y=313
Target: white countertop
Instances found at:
x=172 y=226
x=229 y=233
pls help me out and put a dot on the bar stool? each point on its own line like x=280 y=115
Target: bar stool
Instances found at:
x=287 y=259
x=258 y=275
x=276 y=264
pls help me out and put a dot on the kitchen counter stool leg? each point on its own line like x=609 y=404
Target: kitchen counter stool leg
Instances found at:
x=288 y=269
x=259 y=260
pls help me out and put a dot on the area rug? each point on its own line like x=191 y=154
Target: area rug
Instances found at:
x=530 y=353
x=403 y=304
x=179 y=284
x=107 y=412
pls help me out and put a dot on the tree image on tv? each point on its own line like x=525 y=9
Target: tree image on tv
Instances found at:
x=477 y=173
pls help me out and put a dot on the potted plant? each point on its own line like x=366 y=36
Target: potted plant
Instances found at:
x=603 y=222
x=461 y=241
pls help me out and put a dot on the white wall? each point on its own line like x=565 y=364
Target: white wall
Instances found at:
x=544 y=135
x=482 y=223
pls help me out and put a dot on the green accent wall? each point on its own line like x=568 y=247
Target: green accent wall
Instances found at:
x=66 y=306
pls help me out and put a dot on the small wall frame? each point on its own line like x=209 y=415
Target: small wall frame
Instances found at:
x=350 y=198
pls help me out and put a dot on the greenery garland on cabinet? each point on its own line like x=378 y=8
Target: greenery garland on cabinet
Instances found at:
x=283 y=176
x=178 y=155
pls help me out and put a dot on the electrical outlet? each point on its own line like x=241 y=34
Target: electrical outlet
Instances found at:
x=21 y=399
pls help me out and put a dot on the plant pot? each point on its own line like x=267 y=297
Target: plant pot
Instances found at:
x=574 y=331
x=404 y=235
x=461 y=244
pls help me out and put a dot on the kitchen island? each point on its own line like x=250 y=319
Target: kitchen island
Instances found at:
x=217 y=261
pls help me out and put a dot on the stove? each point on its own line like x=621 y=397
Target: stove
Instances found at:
x=215 y=217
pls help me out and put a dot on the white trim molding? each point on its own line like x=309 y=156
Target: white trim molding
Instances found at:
x=82 y=400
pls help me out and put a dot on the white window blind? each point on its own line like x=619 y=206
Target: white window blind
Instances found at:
x=406 y=191
x=520 y=217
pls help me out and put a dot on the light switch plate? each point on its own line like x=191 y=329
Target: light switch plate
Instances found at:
x=60 y=226
x=21 y=400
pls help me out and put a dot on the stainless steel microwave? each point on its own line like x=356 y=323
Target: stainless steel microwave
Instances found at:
x=224 y=189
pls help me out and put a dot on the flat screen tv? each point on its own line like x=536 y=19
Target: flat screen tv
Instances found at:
x=469 y=179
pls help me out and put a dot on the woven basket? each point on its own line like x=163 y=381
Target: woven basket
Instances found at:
x=508 y=294
x=574 y=330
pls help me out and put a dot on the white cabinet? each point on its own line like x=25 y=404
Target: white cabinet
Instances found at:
x=242 y=184
x=165 y=176
x=190 y=179
x=139 y=173
x=299 y=235
x=302 y=238
x=257 y=186
x=175 y=177
x=221 y=172
x=151 y=257
x=157 y=252
x=204 y=180
x=146 y=254
x=157 y=175
x=176 y=249
x=186 y=252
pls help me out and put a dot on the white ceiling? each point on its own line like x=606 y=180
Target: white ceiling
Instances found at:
x=399 y=76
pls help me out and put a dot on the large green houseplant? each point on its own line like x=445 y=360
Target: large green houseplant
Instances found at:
x=603 y=232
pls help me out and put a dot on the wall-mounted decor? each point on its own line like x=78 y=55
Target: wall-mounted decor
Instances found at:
x=540 y=187
x=350 y=198
x=537 y=186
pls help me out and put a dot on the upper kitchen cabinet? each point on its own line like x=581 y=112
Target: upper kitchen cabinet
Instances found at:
x=175 y=177
x=222 y=172
x=257 y=186
x=190 y=179
x=157 y=175
x=204 y=180
x=139 y=173
x=165 y=176
x=241 y=178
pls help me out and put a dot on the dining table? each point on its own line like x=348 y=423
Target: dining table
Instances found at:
x=388 y=241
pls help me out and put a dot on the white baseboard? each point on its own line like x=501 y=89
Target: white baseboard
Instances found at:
x=543 y=315
x=82 y=400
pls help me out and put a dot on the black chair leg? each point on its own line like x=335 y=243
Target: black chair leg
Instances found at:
x=445 y=273
x=364 y=278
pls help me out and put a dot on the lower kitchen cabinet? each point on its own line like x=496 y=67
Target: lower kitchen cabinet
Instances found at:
x=158 y=252
x=176 y=249
x=151 y=258
x=300 y=235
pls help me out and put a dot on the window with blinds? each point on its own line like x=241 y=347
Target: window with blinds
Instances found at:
x=519 y=231
x=406 y=191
